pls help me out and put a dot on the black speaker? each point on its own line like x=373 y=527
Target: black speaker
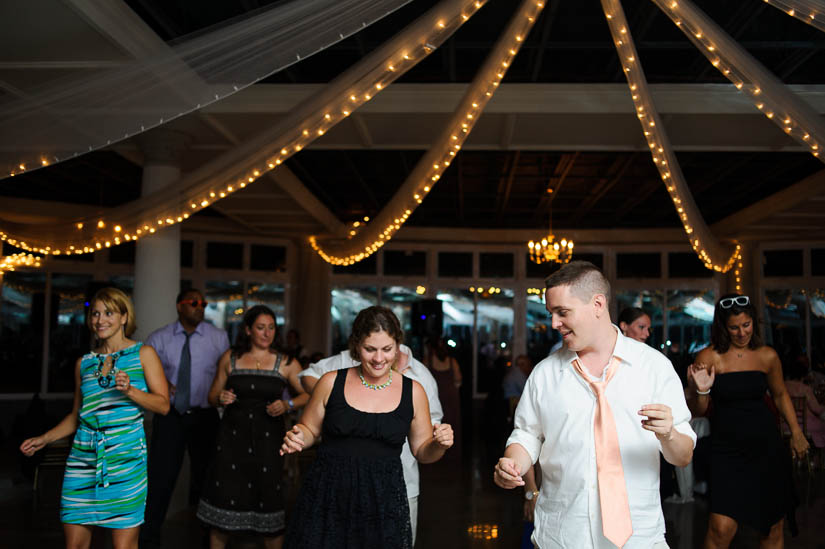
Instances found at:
x=427 y=318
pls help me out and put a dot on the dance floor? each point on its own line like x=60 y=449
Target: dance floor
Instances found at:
x=459 y=507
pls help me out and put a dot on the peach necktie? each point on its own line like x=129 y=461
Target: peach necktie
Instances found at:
x=616 y=522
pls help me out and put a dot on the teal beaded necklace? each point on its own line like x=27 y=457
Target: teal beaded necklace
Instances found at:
x=374 y=386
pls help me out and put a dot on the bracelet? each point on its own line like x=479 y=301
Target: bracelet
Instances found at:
x=698 y=392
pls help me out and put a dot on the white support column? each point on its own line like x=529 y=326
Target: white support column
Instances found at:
x=157 y=257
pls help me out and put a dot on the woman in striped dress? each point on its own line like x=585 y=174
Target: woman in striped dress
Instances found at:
x=105 y=479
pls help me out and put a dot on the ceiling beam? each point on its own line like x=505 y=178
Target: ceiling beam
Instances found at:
x=798 y=193
x=597 y=192
x=506 y=185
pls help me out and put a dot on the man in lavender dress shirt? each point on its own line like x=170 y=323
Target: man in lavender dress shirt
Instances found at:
x=191 y=423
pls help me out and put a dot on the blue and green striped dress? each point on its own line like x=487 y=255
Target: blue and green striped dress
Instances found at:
x=105 y=480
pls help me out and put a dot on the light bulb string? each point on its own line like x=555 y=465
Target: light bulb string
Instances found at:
x=707 y=247
x=426 y=173
x=246 y=163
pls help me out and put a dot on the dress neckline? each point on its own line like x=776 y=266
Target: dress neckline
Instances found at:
x=344 y=396
x=742 y=372
x=120 y=352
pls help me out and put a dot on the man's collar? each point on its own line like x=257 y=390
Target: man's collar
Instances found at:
x=621 y=350
x=179 y=329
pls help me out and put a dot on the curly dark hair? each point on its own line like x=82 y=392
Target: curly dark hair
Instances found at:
x=243 y=343
x=719 y=336
x=371 y=320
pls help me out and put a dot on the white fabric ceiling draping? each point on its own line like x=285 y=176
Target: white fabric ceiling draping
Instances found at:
x=63 y=119
x=809 y=11
x=242 y=165
x=767 y=92
x=426 y=173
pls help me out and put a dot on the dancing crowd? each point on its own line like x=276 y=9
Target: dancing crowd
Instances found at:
x=589 y=427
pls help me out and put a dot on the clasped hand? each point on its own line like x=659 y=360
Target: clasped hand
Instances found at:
x=227 y=397
x=293 y=441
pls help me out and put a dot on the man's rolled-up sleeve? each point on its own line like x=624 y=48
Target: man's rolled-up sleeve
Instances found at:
x=671 y=393
x=528 y=431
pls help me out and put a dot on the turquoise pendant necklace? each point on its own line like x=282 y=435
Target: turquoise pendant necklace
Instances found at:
x=374 y=386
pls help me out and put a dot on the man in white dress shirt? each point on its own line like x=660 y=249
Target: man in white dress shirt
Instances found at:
x=557 y=424
x=407 y=366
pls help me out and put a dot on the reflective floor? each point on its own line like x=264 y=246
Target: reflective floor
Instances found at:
x=459 y=507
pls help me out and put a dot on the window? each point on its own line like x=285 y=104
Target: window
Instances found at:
x=271 y=295
x=496 y=265
x=782 y=263
x=21 y=338
x=495 y=333
x=347 y=302
x=187 y=248
x=689 y=317
x=224 y=255
x=366 y=267
x=405 y=263
x=652 y=303
x=818 y=262
x=455 y=264
x=686 y=265
x=544 y=270
x=785 y=312
x=638 y=265
x=69 y=338
x=541 y=337
x=123 y=254
x=267 y=258
x=225 y=309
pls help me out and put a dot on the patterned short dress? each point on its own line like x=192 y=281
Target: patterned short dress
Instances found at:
x=105 y=480
x=243 y=490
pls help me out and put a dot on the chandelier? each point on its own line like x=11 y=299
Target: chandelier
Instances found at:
x=549 y=249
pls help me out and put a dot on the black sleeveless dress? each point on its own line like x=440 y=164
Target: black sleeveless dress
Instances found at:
x=751 y=475
x=243 y=491
x=354 y=496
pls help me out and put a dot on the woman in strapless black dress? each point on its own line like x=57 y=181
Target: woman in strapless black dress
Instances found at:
x=750 y=467
x=354 y=496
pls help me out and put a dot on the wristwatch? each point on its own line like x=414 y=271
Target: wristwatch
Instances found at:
x=530 y=495
x=290 y=404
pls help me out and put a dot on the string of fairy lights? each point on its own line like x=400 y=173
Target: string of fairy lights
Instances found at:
x=367 y=238
x=91 y=235
x=811 y=12
x=765 y=90
x=699 y=234
x=11 y=262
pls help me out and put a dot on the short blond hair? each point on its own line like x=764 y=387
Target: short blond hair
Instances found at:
x=115 y=300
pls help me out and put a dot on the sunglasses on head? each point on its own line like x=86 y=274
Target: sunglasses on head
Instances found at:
x=729 y=302
x=194 y=302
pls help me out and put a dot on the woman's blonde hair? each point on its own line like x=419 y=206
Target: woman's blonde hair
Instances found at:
x=114 y=300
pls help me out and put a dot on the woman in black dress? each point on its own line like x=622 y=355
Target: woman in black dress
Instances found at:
x=354 y=495
x=750 y=468
x=243 y=490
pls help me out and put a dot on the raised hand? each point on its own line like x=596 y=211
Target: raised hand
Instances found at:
x=701 y=376
x=659 y=420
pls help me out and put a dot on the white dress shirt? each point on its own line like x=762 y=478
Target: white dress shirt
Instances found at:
x=416 y=371
x=554 y=423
